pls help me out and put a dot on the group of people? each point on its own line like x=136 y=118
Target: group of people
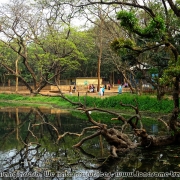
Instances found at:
x=102 y=89
x=91 y=88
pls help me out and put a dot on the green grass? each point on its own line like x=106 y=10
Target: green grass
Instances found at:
x=16 y=99
x=145 y=102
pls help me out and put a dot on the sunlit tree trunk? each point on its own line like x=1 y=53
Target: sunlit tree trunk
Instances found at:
x=100 y=50
x=57 y=76
x=9 y=82
x=102 y=15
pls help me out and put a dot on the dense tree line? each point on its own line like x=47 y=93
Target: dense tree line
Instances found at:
x=41 y=43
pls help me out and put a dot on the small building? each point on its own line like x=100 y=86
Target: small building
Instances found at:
x=79 y=81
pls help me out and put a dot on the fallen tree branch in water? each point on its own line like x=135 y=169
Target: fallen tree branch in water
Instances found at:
x=87 y=138
x=118 y=140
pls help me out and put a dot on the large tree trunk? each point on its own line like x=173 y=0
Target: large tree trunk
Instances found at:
x=99 y=57
x=160 y=92
x=57 y=75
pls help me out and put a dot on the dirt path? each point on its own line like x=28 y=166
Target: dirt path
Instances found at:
x=81 y=93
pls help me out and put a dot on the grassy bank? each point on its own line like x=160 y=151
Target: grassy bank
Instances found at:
x=28 y=100
x=150 y=108
x=145 y=102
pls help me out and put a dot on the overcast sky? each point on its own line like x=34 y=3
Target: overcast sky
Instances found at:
x=4 y=1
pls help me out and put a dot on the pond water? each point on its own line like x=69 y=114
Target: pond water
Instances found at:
x=29 y=150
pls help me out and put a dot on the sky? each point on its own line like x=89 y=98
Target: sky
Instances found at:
x=4 y=1
x=76 y=22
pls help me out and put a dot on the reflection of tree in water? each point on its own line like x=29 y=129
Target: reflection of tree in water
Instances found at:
x=32 y=156
x=39 y=151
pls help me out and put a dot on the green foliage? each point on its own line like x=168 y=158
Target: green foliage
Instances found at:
x=117 y=44
x=172 y=71
x=153 y=70
x=178 y=3
x=8 y=56
x=34 y=101
x=128 y=20
x=145 y=102
x=155 y=29
x=60 y=49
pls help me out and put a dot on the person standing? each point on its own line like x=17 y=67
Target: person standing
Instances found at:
x=93 y=88
x=109 y=86
x=119 y=89
x=103 y=89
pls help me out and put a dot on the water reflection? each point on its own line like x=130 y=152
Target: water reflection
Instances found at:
x=154 y=128
x=32 y=152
